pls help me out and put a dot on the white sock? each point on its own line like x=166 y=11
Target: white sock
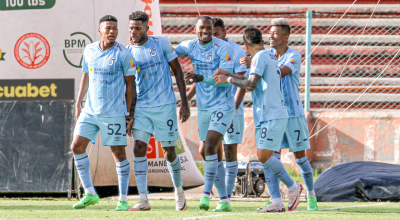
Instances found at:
x=277 y=201
x=123 y=198
x=206 y=195
x=90 y=190
x=179 y=189
x=143 y=196
x=293 y=187
x=311 y=193
x=226 y=200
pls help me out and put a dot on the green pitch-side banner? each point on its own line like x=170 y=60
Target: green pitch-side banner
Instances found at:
x=45 y=39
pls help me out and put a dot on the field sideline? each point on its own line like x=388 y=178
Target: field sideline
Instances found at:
x=42 y=208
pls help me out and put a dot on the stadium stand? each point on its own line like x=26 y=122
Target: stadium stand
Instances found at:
x=374 y=51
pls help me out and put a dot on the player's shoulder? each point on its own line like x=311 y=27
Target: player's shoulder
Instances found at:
x=123 y=51
x=92 y=46
x=293 y=53
x=234 y=45
x=189 y=43
x=158 y=38
x=218 y=43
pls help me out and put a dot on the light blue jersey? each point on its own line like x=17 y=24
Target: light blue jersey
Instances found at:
x=238 y=53
x=218 y=55
x=153 y=77
x=107 y=69
x=268 y=101
x=290 y=83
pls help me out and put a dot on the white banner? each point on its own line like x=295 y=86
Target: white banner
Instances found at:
x=45 y=39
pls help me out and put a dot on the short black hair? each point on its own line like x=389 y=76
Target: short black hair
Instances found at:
x=139 y=16
x=218 y=22
x=205 y=17
x=108 y=18
x=252 y=36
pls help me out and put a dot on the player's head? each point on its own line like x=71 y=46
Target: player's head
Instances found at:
x=279 y=32
x=138 y=26
x=219 y=28
x=204 y=28
x=108 y=28
x=252 y=37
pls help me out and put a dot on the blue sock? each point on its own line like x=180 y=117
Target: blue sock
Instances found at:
x=219 y=182
x=278 y=169
x=141 y=167
x=123 y=171
x=174 y=168
x=230 y=176
x=82 y=164
x=210 y=169
x=306 y=172
x=272 y=181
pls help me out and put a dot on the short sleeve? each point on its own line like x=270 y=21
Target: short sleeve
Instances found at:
x=258 y=65
x=169 y=52
x=239 y=53
x=225 y=54
x=293 y=61
x=128 y=63
x=85 y=67
x=183 y=48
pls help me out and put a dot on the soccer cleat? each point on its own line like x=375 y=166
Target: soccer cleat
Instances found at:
x=180 y=202
x=268 y=203
x=294 y=198
x=223 y=207
x=142 y=205
x=122 y=206
x=204 y=203
x=272 y=207
x=88 y=199
x=312 y=204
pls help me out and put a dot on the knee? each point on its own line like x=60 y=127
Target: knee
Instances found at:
x=230 y=153
x=78 y=148
x=119 y=154
x=300 y=154
x=263 y=157
x=170 y=154
x=140 y=149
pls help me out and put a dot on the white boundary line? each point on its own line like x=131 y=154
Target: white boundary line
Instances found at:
x=327 y=209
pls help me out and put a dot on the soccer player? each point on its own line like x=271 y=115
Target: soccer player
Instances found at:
x=107 y=68
x=156 y=105
x=269 y=110
x=296 y=136
x=216 y=104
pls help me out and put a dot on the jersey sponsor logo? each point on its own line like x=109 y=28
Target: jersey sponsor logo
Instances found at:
x=32 y=51
x=194 y=65
x=2 y=55
x=153 y=52
x=228 y=57
x=94 y=80
x=132 y=63
x=292 y=61
x=208 y=57
x=111 y=61
x=254 y=64
x=172 y=48
x=74 y=47
x=91 y=70
x=137 y=69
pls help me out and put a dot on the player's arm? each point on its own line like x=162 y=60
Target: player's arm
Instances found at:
x=291 y=64
x=221 y=72
x=192 y=92
x=81 y=94
x=206 y=79
x=129 y=70
x=184 y=112
x=237 y=80
x=285 y=71
x=239 y=92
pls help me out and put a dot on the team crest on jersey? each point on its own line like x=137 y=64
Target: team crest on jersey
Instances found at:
x=111 y=61
x=153 y=52
x=208 y=57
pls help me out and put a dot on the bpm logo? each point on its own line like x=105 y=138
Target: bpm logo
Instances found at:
x=74 y=47
x=2 y=55
x=32 y=51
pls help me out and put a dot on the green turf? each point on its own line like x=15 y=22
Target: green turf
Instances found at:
x=165 y=209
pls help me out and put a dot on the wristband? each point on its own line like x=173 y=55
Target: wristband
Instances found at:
x=229 y=80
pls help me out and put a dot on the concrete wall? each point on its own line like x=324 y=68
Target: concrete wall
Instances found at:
x=357 y=135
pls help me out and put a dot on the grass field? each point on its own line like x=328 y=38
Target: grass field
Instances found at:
x=39 y=208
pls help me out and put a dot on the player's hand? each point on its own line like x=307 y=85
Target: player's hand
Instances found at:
x=78 y=109
x=220 y=79
x=246 y=61
x=190 y=78
x=184 y=113
x=130 y=121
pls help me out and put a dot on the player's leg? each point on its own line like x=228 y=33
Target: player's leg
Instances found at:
x=269 y=136
x=219 y=181
x=219 y=124
x=86 y=129
x=142 y=131
x=298 y=145
x=113 y=133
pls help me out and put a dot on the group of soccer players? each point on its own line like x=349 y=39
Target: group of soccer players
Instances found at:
x=130 y=91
